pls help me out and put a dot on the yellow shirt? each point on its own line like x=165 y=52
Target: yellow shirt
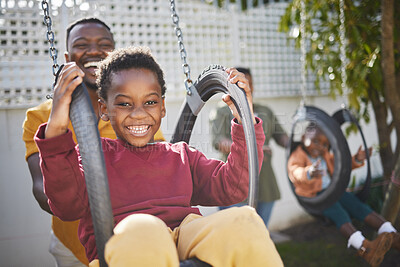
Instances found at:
x=66 y=232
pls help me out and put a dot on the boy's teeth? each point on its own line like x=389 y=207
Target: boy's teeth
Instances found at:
x=91 y=64
x=138 y=129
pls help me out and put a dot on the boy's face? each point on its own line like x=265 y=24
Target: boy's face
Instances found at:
x=134 y=106
x=89 y=43
x=315 y=143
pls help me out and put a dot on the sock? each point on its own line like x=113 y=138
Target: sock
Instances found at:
x=386 y=227
x=356 y=240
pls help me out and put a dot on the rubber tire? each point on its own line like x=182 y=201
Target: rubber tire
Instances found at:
x=342 y=116
x=214 y=80
x=84 y=122
x=342 y=169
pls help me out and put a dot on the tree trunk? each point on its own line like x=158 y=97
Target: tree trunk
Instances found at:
x=392 y=97
x=391 y=205
x=397 y=44
x=385 y=149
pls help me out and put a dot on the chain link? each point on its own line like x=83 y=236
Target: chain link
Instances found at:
x=182 y=50
x=303 y=62
x=50 y=36
x=343 y=57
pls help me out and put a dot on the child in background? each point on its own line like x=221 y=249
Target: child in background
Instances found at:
x=310 y=168
x=153 y=186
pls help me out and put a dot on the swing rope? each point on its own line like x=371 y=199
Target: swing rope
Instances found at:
x=343 y=57
x=300 y=113
x=50 y=37
x=182 y=51
x=303 y=62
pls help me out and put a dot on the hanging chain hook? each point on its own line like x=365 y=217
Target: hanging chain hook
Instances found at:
x=301 y=111
x=182 y=50
x=50 y=36
x=343 y=58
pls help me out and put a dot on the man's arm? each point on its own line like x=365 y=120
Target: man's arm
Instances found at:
x=280 y=136
x=37 y=179
x=282 y=140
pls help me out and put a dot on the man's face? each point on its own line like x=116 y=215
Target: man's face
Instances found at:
x=88 y=44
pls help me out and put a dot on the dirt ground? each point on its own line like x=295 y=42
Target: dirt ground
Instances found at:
x=318 y=229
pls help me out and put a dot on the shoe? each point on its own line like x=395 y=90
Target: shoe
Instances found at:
x=396 y=240
x=373 y=252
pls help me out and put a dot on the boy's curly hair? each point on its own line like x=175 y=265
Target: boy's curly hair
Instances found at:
x=134 y=57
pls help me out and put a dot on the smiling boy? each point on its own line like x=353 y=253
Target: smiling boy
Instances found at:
x=88 y=41
x=154 y=186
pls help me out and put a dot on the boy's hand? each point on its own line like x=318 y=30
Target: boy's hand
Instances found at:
x=238 y=78
x=361 y=155
x=315 y=170
x=69 y=78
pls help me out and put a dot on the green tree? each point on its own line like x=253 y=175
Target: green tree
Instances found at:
x=373 y=68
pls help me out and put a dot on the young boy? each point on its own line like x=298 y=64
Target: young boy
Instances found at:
x=310 y=168
x=153 y=186
x=88 y=40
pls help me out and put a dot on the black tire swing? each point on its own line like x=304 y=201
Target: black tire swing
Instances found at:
x=341 y=152
x=213 y=80
x=331 y=128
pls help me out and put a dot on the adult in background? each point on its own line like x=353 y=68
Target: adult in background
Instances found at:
x=220 y=124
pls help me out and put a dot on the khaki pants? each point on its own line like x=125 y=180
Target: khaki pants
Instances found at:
x=231 y=237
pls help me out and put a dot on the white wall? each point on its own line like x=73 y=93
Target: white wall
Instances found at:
x=24 y=227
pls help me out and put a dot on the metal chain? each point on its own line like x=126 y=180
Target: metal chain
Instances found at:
x=182 y=50
x=303 y=62
x=343 y=58
x=50 y=36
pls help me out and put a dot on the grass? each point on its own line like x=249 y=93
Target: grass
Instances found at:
x=317 y=244
x=316 y=253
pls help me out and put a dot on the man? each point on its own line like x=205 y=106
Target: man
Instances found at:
x=88 y=41
x=220 y=124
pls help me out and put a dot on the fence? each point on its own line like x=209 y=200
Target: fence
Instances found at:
x=212 y=35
